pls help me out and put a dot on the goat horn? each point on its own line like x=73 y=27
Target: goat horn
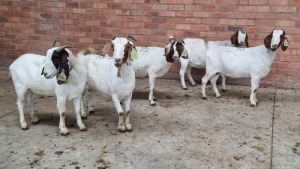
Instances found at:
x=114 y=37
x=172 y=39
x=54 y=42
x=63 y=47
x=130 y=37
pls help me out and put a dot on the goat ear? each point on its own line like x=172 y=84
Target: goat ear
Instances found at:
x=284 y=44
x=183 y=42
x=234 y=37
x=267 y=41
x=246 y=41
x=106 y=49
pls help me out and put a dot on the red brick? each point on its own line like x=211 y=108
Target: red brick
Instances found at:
x=258 y=2
x=160 y=7
x=183 y=26
x=278 y=2
x=227 y=21
x=202 y=1
x=210 y=8
x=247 y=8
x=294 y=2
x=184 y=14
x=229 y=8
x=176 y=7
x=245 y=22
x=286 y=9
x=166 y=13
x=285 y=23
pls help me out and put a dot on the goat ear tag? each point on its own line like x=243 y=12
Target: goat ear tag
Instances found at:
x=285 y=43
x=134 y=54
x=184 y=54
x=62 y=77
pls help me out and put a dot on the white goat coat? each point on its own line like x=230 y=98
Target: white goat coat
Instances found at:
x=240 y=62
x=26 y=75
x=102 y=76
x=197 y=51
x=152 y=63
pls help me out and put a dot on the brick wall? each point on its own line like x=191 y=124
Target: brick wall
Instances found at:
x=32 y=25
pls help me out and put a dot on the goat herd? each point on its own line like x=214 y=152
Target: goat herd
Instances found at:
x=77 y=76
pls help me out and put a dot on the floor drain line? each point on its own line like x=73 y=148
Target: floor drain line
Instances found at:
x=272 y=135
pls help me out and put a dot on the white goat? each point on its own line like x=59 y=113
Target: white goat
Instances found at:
x=113 y=77
x=26 y=75
x=197 y=52
x=154 y=62
x=251 y=62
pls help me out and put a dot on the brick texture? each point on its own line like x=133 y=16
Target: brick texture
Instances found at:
x=32 y=25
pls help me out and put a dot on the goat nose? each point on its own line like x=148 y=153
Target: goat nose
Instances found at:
x=274 y=46
x=45 y=74
x=117 y=60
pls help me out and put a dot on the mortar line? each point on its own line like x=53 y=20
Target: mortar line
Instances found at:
x=272 y=134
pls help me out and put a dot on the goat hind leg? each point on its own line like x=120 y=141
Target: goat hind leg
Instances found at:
x=205 y=79
x=213 y=82
x=20 y=93
x=151 y=88
x=77 y=104
x=30 y=97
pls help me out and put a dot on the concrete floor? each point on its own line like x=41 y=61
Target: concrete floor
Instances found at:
x=182 y=131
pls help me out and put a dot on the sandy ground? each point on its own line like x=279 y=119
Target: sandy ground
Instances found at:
x=182 y=131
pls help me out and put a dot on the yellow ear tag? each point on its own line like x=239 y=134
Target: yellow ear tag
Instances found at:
x=62 y=77
x=285 y=43
x=134 y=54
x=184 y=54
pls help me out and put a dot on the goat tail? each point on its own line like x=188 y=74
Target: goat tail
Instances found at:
x=87 y=51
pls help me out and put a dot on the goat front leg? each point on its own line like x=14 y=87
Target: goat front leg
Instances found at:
x=61 y=107
x=254 y=86
x=224 y=88
x=127 y=111
x=30 y=97
x=121 y=125
x=151 y=87
x=183 y=66
x=189 y=75
x=77 y=104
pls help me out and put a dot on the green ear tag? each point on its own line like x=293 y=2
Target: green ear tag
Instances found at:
x=134 y=54
x=184 y=54
x=62 y=77
x=285 y=43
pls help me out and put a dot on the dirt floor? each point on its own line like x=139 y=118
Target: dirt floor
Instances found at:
x=182 y=131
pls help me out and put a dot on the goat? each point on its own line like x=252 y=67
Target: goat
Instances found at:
x=71 y=76
x=197 y=51
x=113 y=77
x=155 y=62
x=251 y=62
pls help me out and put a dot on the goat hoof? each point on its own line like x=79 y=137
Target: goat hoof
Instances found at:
x=154 y=99
x=153 y=104
x=194 y=84
x=24 y=128
x=92 y=112
x=83 y=117
x=35 y=122
x=218 y=96
x=83 y=129
x=129 y=130
x=224 y=90
x=184 y=88
x=253 y=104
x=64 y=134
x=204 y=97
x=122 y=131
